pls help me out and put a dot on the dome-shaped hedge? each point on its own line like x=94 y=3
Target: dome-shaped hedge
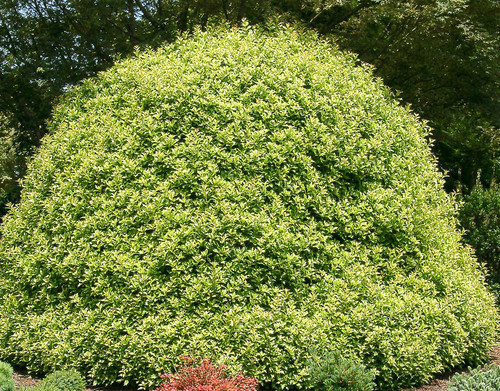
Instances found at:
x=241 y=196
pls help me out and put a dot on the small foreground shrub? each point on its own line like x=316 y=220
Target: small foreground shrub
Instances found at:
x=6 y=380
x=332 y=372
x=205 y=377
x=487 y=379
x=69 y=380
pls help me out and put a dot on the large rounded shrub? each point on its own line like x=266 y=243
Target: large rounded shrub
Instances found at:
x=240 y=196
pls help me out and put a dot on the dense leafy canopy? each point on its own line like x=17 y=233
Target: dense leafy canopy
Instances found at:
x=241 y=196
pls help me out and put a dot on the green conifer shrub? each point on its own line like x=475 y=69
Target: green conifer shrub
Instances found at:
x=333 y=372
x=69 y=380
x=479 y=379
x=242 y=196
x=6 y=379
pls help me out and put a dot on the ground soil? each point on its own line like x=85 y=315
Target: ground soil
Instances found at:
x=21 y=378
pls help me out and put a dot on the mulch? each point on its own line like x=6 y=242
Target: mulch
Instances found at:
x=23 y=379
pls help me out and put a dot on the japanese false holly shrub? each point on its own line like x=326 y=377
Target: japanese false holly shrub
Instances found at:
x=205 y=377
x=242 y=195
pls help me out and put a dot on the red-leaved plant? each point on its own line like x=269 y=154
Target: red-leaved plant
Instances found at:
x=205 y=377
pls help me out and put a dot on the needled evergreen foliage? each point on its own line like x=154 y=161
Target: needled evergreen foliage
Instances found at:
x=241 y=196
x=333 y=372
x=69 y=380
x=479 y=379
x=6 y=380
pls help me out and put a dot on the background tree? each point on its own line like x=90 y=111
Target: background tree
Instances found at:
x=443 y=58
x=11 y=163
